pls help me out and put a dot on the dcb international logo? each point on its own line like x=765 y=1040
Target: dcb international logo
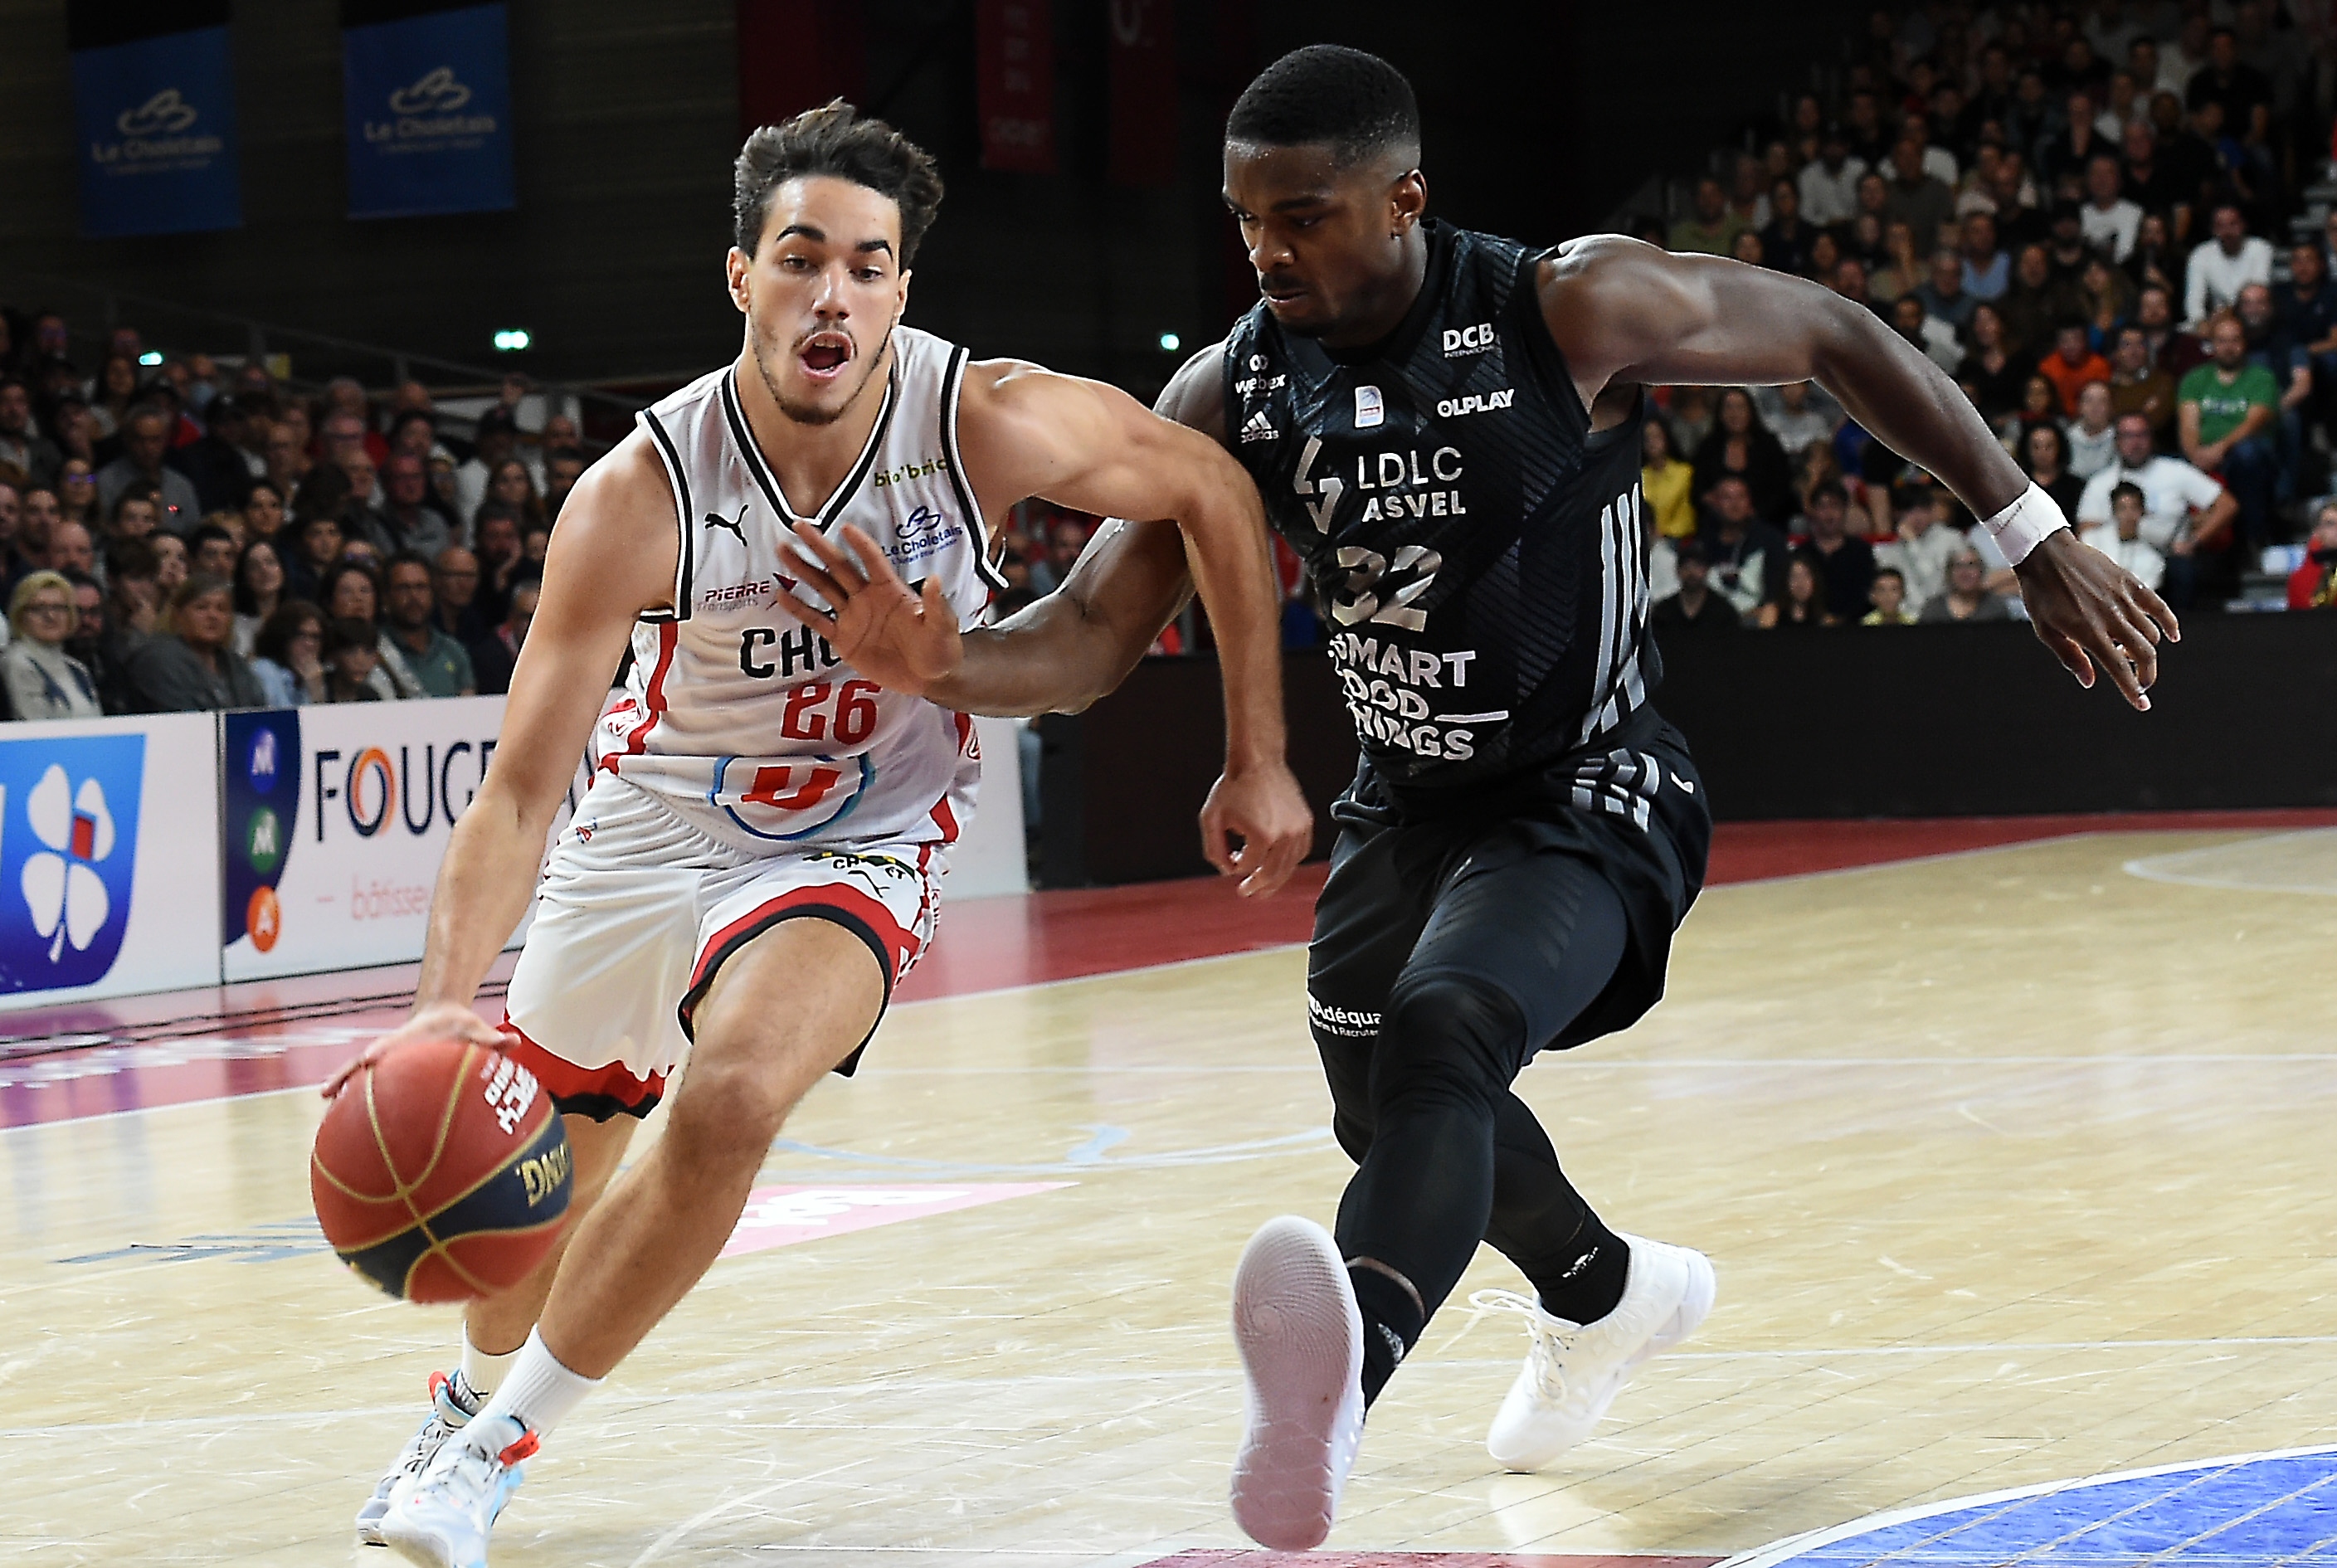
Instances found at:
x=68 y=853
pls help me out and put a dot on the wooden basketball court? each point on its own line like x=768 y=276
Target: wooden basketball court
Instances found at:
x=2016 y=1160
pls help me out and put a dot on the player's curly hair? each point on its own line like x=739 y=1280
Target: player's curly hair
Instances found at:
x=834 y=140
x=1356 y=104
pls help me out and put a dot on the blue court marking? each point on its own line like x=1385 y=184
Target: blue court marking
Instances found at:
x=2276 y=1510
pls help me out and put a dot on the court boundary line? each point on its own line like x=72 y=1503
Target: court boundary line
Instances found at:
x=1173 y=963
x=1821 y=1064
x=1781 y=1552
x=2142 y=870
x=1230 y=1377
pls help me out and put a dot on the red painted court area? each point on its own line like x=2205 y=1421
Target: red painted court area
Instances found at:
x=96 y=1059
x=1238 y=1558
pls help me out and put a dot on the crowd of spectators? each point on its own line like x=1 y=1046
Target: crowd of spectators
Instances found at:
x=174 y=538
x=2097 y=221
x=2100 y=221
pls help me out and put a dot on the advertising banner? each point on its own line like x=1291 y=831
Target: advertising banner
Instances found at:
x=154 y=112
x=1014 y=84
x=334 y=820
x=427 y=92
x=107 y=836
x=1142 y=54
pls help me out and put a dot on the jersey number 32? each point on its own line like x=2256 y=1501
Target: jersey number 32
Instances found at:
x=1374 y=588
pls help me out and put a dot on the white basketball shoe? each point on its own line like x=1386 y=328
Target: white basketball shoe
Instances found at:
x=1302 y=1347
x=452 y=1405
x=1574 y=1371
x=440 y=1517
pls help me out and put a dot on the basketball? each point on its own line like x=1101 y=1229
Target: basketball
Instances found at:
x=441 y=1173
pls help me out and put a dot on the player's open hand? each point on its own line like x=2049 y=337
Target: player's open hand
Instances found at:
x=903 y=640
x=441 y=1021
x=1266 y=810
x=2090 y=611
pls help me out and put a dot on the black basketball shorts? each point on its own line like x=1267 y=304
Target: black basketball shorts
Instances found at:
x=1493 y=870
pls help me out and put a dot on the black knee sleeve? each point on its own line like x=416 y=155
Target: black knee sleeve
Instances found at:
x=1449 y=1038
x=1424 y=1191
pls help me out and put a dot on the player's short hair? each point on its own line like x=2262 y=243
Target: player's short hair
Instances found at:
x=1356 y=104
x=834 y=140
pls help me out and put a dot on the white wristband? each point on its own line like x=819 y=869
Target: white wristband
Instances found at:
x=2023 y=525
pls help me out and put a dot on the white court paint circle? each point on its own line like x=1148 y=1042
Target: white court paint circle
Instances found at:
x=2300 y=862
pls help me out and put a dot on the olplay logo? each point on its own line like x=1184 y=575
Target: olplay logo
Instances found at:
x=68 y=849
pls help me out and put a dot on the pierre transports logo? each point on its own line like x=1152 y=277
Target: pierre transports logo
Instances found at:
x=68 y=845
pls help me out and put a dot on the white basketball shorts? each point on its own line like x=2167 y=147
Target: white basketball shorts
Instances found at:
x=637 y=911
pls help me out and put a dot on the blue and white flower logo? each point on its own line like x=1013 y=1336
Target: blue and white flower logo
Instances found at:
x=62 y=890
x=68 y=857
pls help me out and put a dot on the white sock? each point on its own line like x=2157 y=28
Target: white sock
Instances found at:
x=483 y=1372
x=538 y=1392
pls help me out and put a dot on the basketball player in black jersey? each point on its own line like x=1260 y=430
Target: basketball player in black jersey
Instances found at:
x=1445 y=426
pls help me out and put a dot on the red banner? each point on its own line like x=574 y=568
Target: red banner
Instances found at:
x=1142 y=49
x=1014 y=81
x=796 y=55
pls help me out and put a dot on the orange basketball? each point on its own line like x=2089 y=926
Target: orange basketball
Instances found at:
x=440 y=1173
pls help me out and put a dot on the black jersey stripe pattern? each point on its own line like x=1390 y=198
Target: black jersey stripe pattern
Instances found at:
x=1474 y=547
x=686 y=563
x=976 y=530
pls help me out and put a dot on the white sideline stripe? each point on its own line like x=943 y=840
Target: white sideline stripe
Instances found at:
x=1174 y=964
x=616 y=1411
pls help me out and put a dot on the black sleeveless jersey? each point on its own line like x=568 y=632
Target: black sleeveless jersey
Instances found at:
x=1474 y=549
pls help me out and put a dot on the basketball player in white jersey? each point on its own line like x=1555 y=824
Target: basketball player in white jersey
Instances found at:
x=759 y=858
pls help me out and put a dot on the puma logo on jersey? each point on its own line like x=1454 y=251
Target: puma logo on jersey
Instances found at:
x=1259 y=429
x=1683 y=783
x=737 y=525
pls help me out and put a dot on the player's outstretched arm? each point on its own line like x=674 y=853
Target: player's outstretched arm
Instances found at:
x=1061 y=652
x=1623 y=313
x=612 y=556
x=1056 y=655
x=1026 y=431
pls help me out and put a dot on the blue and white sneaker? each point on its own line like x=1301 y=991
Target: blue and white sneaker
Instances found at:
x=440 y=1517
x=453 y=1403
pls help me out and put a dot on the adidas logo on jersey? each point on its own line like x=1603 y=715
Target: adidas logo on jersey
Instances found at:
x=1259 y=429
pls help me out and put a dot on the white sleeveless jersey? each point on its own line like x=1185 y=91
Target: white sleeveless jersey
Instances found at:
x=743 y=720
